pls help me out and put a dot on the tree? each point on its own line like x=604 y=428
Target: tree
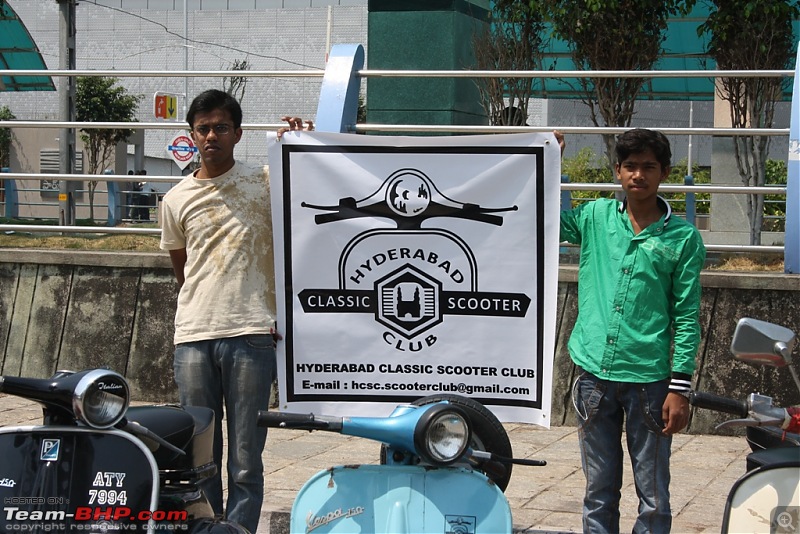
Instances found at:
x=5 y=137
x=236 y=85
x=613 y=35
x=100 y=99
x=769 y=45
x=513 y=40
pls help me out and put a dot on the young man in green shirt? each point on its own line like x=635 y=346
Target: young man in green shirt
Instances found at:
x=636 y=335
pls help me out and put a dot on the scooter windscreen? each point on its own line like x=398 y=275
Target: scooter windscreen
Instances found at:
x=55 y=478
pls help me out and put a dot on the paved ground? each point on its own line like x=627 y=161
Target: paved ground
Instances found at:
x=543 y=499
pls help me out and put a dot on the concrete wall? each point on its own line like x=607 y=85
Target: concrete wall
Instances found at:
x=72 y=310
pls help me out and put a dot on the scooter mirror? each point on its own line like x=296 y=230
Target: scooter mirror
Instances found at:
x=762 y=343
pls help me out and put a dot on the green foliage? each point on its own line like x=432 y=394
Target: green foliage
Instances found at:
x=700 y=176
x=513 y=41
x=777 y=173
x=613 y=35
x=581 y=21
x=770 y=42
x=5 y=136
x=586 y=167
x=100 y=99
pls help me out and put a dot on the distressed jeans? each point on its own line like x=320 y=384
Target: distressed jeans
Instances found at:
x=604 y=408
x=235 y=373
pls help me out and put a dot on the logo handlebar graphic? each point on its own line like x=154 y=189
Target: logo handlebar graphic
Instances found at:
x=408 y=197
x=406 y=299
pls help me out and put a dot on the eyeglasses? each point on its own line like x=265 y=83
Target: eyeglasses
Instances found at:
x=219 y=129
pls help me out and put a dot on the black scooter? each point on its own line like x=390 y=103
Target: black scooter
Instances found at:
x=97 y=465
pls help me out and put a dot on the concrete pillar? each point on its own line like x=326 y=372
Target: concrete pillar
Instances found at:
x=137 y=140
x=424 y=35
x=66 y=142
x=728 y=222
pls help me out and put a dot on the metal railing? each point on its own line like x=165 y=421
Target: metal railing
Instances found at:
x=338 y=105
x=565 y=187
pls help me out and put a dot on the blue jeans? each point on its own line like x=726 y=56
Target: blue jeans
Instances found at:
x=603 y=407
x=238 y=372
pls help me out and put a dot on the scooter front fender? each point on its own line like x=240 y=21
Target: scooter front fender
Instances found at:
x=400 y=499
x=766 y=499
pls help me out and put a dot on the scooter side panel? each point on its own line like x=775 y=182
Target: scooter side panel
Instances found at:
x=61 y=476
x=764 y=500
x=400 y=499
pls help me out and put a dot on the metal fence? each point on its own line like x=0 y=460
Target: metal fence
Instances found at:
x=336 y=112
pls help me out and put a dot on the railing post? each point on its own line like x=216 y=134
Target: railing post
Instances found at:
x=791 y=250
x=691 y=210
x=566 y=196
x=12 y=198
x=114 y=208
x=566 y=204
x=337 y=109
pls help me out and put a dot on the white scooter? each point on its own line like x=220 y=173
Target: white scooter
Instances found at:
x=767 y=497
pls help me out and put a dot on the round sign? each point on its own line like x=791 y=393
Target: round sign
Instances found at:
x=182 y=148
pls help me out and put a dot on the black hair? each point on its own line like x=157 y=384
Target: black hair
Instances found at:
x=640 y=140
x=211 y=100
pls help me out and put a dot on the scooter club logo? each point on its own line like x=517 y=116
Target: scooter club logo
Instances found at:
x=408 y=301
x=409 y=277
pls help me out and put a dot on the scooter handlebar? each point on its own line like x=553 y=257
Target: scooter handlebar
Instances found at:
x=710 y=401
x=300 y=421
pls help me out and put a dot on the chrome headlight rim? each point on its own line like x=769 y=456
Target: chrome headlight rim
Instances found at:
x=426 y=429
x=98 y=391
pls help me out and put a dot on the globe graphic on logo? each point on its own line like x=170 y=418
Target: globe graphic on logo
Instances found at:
x=408 y=195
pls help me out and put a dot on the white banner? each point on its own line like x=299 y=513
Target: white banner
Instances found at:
x=415 y=266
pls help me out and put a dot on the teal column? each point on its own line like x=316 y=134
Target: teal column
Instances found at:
x=424 y=35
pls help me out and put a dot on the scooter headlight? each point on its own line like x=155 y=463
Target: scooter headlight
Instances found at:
x=100 y=399
x=442 y=434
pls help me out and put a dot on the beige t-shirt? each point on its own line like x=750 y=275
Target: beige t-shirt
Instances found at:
x=225 y=224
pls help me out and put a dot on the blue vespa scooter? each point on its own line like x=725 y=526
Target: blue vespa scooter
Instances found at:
x=445 y=461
